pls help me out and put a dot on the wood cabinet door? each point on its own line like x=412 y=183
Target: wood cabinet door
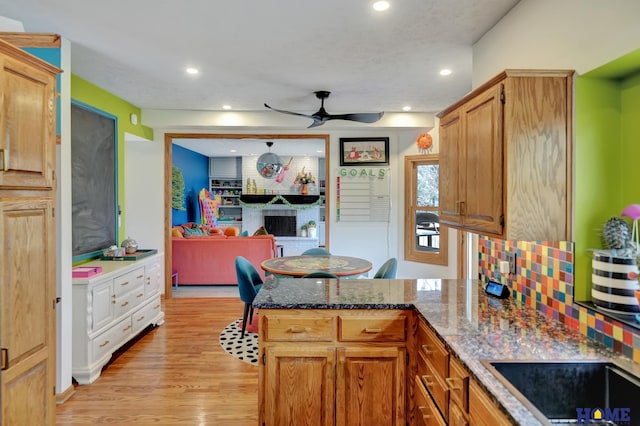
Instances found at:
x=299 y=386
x=370 y=386
x=450 y=169
x=27 y=313
x=482 y=411
x=27 y=126
x=482 y=169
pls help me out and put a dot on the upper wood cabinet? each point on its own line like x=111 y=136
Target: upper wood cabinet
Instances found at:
x=27 y=120
x=506 y=157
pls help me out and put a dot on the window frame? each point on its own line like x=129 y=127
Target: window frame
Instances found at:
x=411 y=163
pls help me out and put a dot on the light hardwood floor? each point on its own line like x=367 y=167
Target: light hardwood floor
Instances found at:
x=175 y=374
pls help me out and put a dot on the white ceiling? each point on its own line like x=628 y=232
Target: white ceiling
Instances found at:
x=273 y=51
x=248 y=147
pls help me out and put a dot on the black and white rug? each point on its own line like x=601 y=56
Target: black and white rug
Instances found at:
x=245 y=349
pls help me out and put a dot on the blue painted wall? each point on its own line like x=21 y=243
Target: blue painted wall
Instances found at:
x=195 y=171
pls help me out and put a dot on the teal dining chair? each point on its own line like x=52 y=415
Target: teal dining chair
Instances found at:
x=316 y=251
x=388 y=269
x=320 y=274
x=249 y=283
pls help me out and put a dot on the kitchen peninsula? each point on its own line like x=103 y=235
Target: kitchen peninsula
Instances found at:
x=400 y=352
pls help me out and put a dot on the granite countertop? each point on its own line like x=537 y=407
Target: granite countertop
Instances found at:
x=473 y=325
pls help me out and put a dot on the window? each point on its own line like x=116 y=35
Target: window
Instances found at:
x=424 y=239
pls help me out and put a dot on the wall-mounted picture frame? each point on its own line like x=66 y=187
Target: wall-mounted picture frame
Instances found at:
x=364 y=151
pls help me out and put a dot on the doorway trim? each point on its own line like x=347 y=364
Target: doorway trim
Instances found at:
x=168 y=159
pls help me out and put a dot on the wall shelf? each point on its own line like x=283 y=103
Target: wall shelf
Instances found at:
x=279 y=199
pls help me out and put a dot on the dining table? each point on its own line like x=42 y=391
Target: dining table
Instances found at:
x=298 y=266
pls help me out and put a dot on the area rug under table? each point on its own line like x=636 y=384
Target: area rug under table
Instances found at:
x=245 y=349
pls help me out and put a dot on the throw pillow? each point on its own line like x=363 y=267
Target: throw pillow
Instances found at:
x=189 y=232
x=231 y=231
x=176 y=233
x=244 y=233
x=261 y=231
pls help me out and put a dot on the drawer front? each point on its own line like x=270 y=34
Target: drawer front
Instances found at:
x=295 y=329
x=110 y=339
x=143 y=317
x=372 y=329
x=128 y=282
x=433 y=350
x=458 y=383
x=128 y=302
x=426 y=412
x=435 y=385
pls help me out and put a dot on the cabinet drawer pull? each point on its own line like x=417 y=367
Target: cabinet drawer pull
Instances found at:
x=104 y=344
x=4 y=164
x=126 y=328
x=426 y=349
x=425 y=380
x=124 y=304
x=372 y=330
x=140 y=276
x=452 y=384
x=140 y=295
x=296 y=329
x=422 y=409
x=124 y=283
x=156 y=307
x=5 y=359
x=141 y=318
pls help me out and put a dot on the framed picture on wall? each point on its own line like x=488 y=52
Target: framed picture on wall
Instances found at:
x=364 y=151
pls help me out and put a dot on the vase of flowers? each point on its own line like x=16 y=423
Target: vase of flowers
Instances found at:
x=303 y=179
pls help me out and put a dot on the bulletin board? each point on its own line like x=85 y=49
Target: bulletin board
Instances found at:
x=363 y=195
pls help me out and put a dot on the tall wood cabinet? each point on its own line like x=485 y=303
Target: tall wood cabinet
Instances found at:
x=27 y=235
x=333 y=367
x=506 y=157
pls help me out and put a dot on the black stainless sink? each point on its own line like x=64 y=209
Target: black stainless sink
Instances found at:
x=554 y=390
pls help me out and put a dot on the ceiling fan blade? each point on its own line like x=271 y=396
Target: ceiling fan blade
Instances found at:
x=290 y=112
x=363 y=117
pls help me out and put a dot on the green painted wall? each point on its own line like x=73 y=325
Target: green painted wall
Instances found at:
x=92 y=95
x=607 y=176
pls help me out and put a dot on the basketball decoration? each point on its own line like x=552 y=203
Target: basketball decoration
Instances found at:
x=425 y=143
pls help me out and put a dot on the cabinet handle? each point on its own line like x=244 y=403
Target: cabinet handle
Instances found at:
x=462 y=209
x=126 y=328
x=104 y=344
x=372 y=330
x=422 y=409
x=141 y=318
x=425 y=380
x=140 y=276
x=156 y=307
x=295 y=329
x=124 y=304
x=5 y=359
x=426 y=349
x=140 y=295
x=458 y=207
x=5 y=159
x=124 y=283
x=452 y=383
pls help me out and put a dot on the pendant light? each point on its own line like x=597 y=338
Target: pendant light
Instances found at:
x=269 y=164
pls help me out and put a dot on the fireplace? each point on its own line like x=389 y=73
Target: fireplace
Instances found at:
x=280 y=224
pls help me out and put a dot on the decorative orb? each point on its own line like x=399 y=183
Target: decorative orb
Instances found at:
x=424 y=142
x=269 y=165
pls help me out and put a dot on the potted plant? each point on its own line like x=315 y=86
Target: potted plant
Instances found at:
x=614 y=277
x=303 y=231
x=303 y=179
x=312 y=229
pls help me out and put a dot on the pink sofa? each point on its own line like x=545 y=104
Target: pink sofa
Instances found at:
x=211 y=260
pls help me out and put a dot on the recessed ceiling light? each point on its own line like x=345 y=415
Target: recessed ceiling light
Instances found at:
x=445 y=71
x=233 y=150
x=381 y=6
x=406 y=108
x=192 y=71
x=226 y=106
x=319 y=150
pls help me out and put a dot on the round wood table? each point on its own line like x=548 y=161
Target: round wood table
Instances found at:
x=297 y=266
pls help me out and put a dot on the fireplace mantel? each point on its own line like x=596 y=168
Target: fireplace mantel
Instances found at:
x=293 y=200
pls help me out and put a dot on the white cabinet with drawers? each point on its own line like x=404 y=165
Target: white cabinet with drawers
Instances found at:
x=111 y=308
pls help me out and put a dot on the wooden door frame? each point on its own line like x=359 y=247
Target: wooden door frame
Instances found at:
x=168 y=143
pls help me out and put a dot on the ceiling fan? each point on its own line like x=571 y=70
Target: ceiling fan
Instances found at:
x=321 y=116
